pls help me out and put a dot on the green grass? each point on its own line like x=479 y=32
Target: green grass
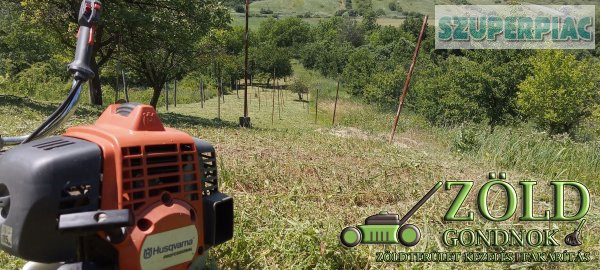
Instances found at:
x=254 y=21
x=296 y=7
x=296 y=184
x=188 y=91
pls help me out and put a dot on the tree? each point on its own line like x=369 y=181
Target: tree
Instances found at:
x=449 y=94
x=506 y=68
x=359 y=70
x=339 y=30
x=299 y=87
x=385 y=87
x=287 y=32
x=309 y=54
x=162 y=42
x=362 y=6
x=560 y=93
x=22 y=44
x=369 y=21
x=269 y=58
x=127 y=24
x=60 y=18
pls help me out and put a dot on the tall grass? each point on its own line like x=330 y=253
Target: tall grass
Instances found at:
x=558 y=157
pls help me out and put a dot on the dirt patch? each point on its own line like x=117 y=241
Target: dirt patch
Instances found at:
x=349 y=132
x=352 y=132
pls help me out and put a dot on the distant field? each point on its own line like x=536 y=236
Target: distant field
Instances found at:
x=254 y=22
x=325 y=8
x=294 y=7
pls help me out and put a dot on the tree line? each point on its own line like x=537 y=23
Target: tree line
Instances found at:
x=157 y=42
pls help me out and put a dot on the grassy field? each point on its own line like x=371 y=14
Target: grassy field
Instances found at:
x=297 y=183
x=296 y=7
x=327 y=8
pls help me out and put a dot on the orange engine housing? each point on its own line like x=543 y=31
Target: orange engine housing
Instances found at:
x=156 y=173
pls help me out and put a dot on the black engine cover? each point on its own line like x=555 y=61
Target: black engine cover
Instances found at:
x=44 y=179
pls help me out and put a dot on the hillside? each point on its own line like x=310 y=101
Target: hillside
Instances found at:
x=297 y=183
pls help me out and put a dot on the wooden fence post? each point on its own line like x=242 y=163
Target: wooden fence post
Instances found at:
x=337 y=93
x=201 y=93
x=167 y=95
x=125 y=86
x=317 y=106
x=175 y=94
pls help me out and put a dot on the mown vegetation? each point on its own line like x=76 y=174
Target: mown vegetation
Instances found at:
x=535 y=114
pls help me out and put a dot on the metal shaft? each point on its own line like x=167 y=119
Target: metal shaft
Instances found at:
x=408 y=77
x=246 y=62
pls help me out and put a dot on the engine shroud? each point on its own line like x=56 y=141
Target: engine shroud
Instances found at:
x=126 y=160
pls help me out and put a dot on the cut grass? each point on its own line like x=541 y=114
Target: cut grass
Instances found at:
x=296 y=184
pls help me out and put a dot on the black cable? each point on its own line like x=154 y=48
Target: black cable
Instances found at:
x=57 y=113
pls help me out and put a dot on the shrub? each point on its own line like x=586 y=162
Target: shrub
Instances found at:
x=352 y=13
x=561 y=93
x=466 y=140
x=240 y=8
x=266 y=11
x=392 y=6
x=299 y=87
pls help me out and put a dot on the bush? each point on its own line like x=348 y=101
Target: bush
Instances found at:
x=266 y=11
x=450 y=94
x=299 y=87
x=240 y=8
x=39 y=82
x=392 y=6
x=561 y=93
x=380 y=12
x=348 y=4
x=359 y=70
x=466 y=140
x=385 y=87
x=352 y=13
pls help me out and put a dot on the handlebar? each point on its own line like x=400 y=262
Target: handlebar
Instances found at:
x=89 y=16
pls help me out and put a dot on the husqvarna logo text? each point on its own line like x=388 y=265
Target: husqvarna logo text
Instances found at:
x=172 y=249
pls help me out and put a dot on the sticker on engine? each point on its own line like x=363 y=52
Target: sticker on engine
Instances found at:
x=170 y=248
x=6 y=235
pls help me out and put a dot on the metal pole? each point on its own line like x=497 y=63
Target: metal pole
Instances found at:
x=117 y=89
x=317 y=106
x=125 y=86
x=201 y=93
x=308 y=102
x=408 y=77
x=278 y=97
x=246 y=62
x=337 y=94
x=167 y=95
x=175 y=94
x=257 y=90
x=273 y=108
x=219 y=99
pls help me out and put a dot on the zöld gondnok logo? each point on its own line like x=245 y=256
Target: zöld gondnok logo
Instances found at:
x=386 y=228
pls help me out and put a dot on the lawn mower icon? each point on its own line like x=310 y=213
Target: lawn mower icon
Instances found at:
x=385 y=228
